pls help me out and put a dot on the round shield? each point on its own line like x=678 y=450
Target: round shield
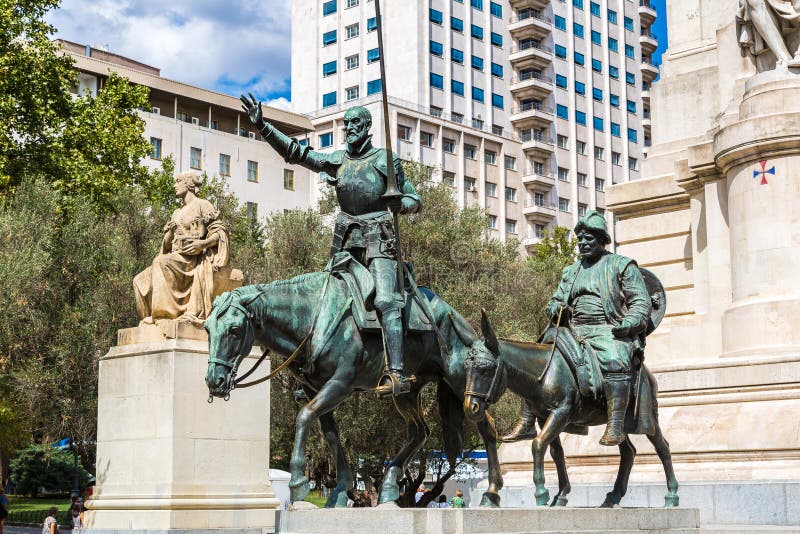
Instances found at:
x=658 y=298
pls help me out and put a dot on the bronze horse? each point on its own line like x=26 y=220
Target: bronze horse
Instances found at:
x=558 y=404
x=280 y=317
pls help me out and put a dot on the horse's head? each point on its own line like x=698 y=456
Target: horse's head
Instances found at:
x=230 y=338
x=485 y=376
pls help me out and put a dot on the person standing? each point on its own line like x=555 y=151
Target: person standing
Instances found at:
x=3 y=509
x=458 y=500
x=50 y=525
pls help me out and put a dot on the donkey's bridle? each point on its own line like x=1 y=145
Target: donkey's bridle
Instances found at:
x=492 y=394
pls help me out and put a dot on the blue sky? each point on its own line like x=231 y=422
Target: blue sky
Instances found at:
x=232 y=46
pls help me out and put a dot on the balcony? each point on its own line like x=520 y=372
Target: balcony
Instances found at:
x=530 y=242
x=647 y=12
x=649 y=71
x=648 y=42
x=539 y=210
x=531 y=113
x=531 y=84
x=537 y=144
x=542 y=181
x=532 y=4
x=530 y=23
x=646 y=122
x=531 y=53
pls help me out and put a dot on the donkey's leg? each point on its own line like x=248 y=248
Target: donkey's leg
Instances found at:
x=553 y=426
x=491 y=498
x=344 y=475
x=329 y=396
x=557 y=453
x=627 y=453
x=417 y=433
x=662 y=449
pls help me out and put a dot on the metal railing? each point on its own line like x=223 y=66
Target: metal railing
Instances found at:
x=529 y=45
x=533 y=203
x=532 y=106
x=525 y=15
x=522 y=77
x=647 y=4
x=527 y=137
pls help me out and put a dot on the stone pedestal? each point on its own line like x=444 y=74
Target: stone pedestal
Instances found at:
x=166 y=458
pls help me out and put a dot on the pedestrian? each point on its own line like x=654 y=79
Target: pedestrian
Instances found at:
x=3 y=509
x=458 y=500
x=76 y=515
x=443 y=501
x=50 y=522
x=418 y=495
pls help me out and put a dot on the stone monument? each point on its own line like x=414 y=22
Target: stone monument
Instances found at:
x=716 y=218
x=167 y=459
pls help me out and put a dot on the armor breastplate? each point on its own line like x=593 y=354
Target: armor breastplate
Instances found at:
x=359 y=186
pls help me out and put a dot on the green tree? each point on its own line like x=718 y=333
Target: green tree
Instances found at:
x=44 y=466
x=558 y=244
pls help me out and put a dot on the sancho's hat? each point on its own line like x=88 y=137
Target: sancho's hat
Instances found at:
x=594 y=223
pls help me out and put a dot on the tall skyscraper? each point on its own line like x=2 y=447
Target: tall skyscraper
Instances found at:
x=527 y=108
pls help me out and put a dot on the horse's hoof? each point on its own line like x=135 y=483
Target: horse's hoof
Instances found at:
x=299 y=489
x=612 y=500
x=560 y=501
x=490 y=500
x=303 y=505
x=671 y=501
x=542 y=498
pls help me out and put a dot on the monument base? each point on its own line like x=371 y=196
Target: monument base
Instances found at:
x=486 y=521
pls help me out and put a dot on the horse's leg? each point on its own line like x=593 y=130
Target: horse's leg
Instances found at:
x=329 y=396
x=662 y=449
x=627 y=453
x=417 y=433
x=486 y=428
x=344 y=475
x=557 y=453
x=553 y=426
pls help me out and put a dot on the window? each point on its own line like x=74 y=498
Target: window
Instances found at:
x=252 y=210
x=329 y=99
x=491 y=189
x=373 y=55
x=511 y=226
x=351 y=62
x=612 y=16
x=457 y=118
x=596 y=37
x=372 y=24
x=436 y=16
x=457 y=87
x=631 y=105
x=577 y=29
x=469 y=184
x=616 y=157
x=490 y=157
x=597 y=122
x=477 y=63
x=579 y=58
x=511 y=194
x=374 y=86
x=580 y=87
x=597 y=65
x=497 y=101
x=252 y=171
x=538 y=168
x=457 y=24
x=561 y=51
x=629 y=51
x=403 y=132
x=449 y=145
x=224 y=165
x=562 y=141
x=496 y=39
x=477 y=32
x=580 y=147
x=511 y=162
x=562 y=111
x=328 y=38
x=597 y=94
x=470 y=151
x=426 y=139
x=560 y=23
x=633 y=164
x=351 y=31
x=613 y=72
x=582 y=179
x=477 y=123
x=581 y=209
x=613 y=44
x=580 y=118
x=615 y=131
x=195 y=158
x=594 y=8
x=633 y=135
x=329 y=68
x=449 y=178
x=538 y=198
x=351 y=3
x=493 y=222
x=288 y=179
x=328 y=7
x=437 y=49
x=539 y=231
x=496 y=10
x=614 y=100
x=497 y=70
x=599 y=184
x=477 y=4
x=326 y=140
x=155 y=148
x=630 y=78
x=563 y=174
x=599 y=153
x=457 y=55
x=561 y=81
x=578 y=3
x=437 y=81
x=629 y=24
x=477 y=94
x=563 y=204
x=351 y=93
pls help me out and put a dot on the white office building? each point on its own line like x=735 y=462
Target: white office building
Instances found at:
x=527 y=108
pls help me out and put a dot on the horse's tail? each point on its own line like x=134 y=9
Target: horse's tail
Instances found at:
x=451 y=410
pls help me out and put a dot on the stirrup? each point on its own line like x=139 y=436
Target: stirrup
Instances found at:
x=394 y=383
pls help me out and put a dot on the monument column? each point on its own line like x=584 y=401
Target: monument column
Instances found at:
x=760 y=154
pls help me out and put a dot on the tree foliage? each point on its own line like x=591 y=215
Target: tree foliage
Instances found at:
x=44 y=466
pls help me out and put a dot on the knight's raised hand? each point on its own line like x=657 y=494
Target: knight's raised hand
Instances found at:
x=252 y=107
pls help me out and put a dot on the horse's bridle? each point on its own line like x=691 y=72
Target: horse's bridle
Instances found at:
x=234 y=366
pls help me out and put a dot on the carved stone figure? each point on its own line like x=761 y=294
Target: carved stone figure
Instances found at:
x=192 y=266
x=770 y=26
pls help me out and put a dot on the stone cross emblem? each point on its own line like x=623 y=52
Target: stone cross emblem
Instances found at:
x=764 y=172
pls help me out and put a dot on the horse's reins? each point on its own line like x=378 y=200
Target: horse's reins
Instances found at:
x=558 y=325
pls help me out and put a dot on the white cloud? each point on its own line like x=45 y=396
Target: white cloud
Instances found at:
x=208 y=43
x=280 y=103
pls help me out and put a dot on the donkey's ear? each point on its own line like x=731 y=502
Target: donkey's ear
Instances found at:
x=463 y=329
x=489 y=337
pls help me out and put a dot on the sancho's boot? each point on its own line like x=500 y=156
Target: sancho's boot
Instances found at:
x=617 y=390
x=525 y=427
x=394 y=382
